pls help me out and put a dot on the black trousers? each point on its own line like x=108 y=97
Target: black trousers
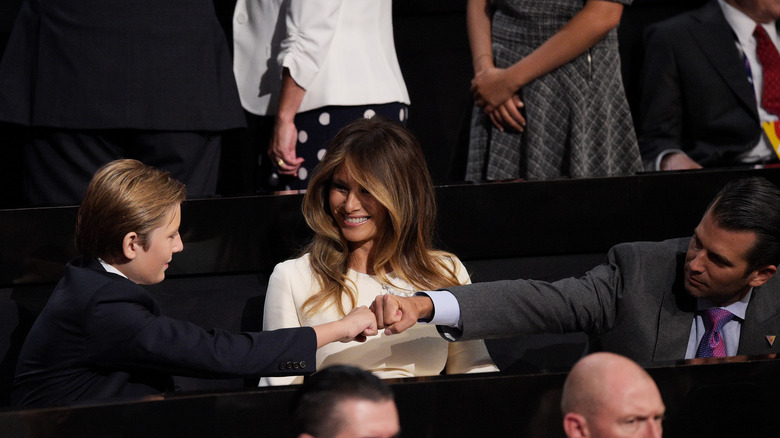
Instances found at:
x=60 y=163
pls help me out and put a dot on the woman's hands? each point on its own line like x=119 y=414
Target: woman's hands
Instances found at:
x=496 y=95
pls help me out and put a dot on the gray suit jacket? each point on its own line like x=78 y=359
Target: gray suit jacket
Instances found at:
x=634 y=305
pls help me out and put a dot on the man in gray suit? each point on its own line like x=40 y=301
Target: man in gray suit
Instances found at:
x=648 y=302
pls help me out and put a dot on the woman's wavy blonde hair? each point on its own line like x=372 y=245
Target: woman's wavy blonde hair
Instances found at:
x=387 y=161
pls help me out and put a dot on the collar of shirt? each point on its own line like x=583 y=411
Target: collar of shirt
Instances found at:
x=743 y=27
x=110 y=268
x=738 y=309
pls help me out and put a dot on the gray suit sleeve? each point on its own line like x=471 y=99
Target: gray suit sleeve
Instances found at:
x=513 y=307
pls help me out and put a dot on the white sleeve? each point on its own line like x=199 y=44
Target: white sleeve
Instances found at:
x=280 y=312
x=310 y=32
x=446 y=311
x=467 y=356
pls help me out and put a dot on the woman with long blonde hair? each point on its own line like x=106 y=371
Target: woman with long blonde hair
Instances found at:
x=371 y=205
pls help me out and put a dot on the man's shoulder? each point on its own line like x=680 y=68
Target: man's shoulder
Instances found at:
x=708 y=13
x=661 y=245
x=647 y=250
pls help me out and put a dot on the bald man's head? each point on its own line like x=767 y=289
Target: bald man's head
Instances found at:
x=607 y=395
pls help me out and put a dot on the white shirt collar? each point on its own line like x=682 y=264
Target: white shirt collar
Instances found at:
x=738 y=309
x=110 y=268
x=743 y=26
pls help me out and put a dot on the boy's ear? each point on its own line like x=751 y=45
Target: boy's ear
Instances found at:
x=130 y=245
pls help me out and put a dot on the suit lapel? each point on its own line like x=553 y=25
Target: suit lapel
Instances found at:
x=675 y=319
x=718 y=43
x=761 y=320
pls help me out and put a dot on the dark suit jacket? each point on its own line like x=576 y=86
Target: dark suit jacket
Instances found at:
x=134 y=64
x=102 y=337
x=634 y=305
x=695 y=91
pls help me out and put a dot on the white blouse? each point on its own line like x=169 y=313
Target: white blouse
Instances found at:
x=419 y=351
x=340 y=51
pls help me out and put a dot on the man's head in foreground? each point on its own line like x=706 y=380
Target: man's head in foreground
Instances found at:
x=607 y=396
x=345 y=402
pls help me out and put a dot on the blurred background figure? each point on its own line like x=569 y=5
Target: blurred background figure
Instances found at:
x=706 y=90
x=309 y=72
x=609 y=396
x=372 y=209
x=99 y=81
x=549 y=96
x=345 y=402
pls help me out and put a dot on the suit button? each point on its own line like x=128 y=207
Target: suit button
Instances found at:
x=303 y=364
x=289 y=365
x=281 y=366
x=296 y=365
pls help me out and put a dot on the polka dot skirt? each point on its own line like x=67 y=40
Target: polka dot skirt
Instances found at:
x=316 y=128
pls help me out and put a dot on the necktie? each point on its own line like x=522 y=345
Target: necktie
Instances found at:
x=770 y=64
x=712 y=344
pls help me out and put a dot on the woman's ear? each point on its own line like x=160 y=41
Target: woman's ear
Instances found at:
x=130 y=245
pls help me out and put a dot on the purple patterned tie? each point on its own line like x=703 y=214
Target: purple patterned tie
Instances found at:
x=712 y=344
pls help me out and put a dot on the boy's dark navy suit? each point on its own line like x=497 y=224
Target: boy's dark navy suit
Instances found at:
x=102 y=337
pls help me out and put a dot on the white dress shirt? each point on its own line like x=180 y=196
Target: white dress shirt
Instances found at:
x=110 y=268
x=340 y=51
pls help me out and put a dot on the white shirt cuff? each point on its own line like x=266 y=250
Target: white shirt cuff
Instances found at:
x=665 y=153
x=446 y=310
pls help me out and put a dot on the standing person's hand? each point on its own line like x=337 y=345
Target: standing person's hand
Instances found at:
x=281 y=151
x=678 y=161
x=508 y=115
x=491 y=88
